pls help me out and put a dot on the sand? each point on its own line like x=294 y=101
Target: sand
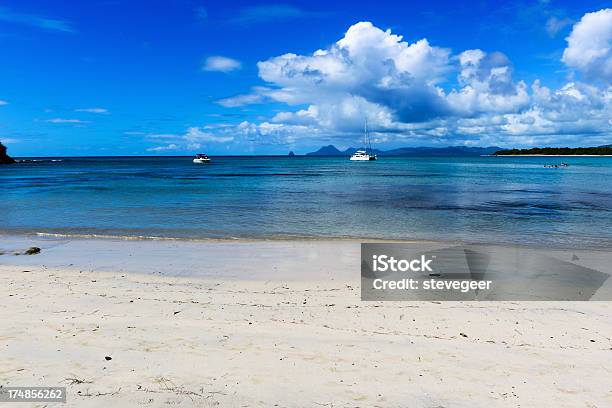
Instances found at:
x=278 y=337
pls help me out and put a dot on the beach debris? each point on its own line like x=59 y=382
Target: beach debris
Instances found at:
x=167 y=385
x=32 y=251
x=76 y=380
x=574 y=257
x=463 y=334
x=108 y=358
x=177 y=312
x=87 y=393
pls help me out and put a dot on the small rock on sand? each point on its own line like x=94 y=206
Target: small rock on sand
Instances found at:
x=32 y=251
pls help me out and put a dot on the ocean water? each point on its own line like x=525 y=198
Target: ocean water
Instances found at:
x=481 y=199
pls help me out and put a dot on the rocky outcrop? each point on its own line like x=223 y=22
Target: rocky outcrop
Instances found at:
x=4 y=158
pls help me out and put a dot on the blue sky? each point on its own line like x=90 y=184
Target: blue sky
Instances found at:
x=236 y=77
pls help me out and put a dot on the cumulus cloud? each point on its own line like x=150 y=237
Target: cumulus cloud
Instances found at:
x=369 y=63
x=487 y=85
x=421 y=93
x=376 y=74
x=221 y=64
x=589 y=46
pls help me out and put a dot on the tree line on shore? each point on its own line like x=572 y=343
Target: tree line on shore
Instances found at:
x=557 y=151
x=5 y=158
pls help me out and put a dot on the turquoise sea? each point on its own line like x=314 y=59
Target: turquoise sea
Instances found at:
x=479 y=199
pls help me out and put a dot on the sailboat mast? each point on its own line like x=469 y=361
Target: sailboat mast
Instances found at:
x=366 y=139
x=365 y=135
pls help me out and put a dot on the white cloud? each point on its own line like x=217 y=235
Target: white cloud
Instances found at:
x=589 y=45
x=415 y=92
x=272 y=12
x=554 y=25
x=166 y=148
x=487 y=85
x=242 y=100
x=61 y=120
x=92 y=110
x=193 y=138
x=221 y=64
x=376 y=74
x=3 y=102
x=35 y=21
x=196 y=135
x=367 y=62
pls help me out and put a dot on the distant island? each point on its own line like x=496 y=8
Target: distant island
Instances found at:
x=558 y=151
x=5 y=158
x=452 y=151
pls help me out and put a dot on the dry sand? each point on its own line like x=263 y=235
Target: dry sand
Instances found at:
x=278 y=339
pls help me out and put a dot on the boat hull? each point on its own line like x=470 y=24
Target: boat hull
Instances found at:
x=201 y=161
x=363 y=158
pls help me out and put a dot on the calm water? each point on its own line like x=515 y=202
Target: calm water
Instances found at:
x=483 y=199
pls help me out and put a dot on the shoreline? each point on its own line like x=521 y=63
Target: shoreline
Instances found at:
x=279 y=238
x=50 y=236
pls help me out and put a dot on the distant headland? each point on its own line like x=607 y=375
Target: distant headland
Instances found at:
x=558 y=151
x=5 y=158
x=452 y=151
x=465 y=151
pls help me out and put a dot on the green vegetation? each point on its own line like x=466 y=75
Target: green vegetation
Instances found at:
x=4 y=158
x=557 y=151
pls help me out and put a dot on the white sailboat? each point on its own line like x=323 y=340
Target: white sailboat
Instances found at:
x=366 y=154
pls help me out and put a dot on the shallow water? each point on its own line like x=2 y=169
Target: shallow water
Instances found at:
x=481 y=199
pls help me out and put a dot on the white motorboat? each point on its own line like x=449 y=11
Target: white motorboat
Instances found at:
x=201 y=158
x=366 y=154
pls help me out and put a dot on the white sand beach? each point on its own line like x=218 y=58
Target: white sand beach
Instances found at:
x=269 y=324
